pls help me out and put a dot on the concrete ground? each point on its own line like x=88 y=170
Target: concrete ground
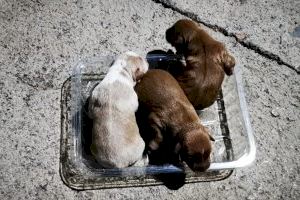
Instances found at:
x=40 y=42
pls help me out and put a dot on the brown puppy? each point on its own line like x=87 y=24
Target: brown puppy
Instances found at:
x=206 y=61
x=171 y=116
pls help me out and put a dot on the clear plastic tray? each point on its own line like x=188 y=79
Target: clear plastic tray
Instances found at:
x=227 y=120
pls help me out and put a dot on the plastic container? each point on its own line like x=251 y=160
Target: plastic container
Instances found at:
x=227 y=120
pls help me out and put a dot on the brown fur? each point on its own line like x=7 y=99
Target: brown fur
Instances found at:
x=207 y=60
x=170 y=115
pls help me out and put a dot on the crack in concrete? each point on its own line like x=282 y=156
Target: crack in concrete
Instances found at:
x=26 y=82
x=246 y=44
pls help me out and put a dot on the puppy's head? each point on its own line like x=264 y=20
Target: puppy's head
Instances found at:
x=196 y=149
x=134 y=64
x=181 y=33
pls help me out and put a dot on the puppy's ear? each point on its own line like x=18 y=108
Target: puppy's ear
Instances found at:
x=228 y=63
x=137 y=73
x=136 y=70
x=157 y=136
x=174 y=38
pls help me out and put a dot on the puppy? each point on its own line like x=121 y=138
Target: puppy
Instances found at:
x=207 y=60
x=172 y=121
x=116 y=142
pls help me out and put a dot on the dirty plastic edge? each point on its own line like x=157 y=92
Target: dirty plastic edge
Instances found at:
x=76 y=73
x=149 y=181
x=248 y=158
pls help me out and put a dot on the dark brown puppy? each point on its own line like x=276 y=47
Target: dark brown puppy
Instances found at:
x=170 y=115
x=206 y=61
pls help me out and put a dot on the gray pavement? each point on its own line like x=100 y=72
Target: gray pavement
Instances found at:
x=40 y=42
x=269 y=27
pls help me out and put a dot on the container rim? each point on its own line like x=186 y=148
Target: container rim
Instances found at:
x=249 y=157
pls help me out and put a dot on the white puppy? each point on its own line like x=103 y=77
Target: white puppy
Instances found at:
x=116 y=142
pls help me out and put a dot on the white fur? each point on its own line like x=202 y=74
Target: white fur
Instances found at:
x=112 y=106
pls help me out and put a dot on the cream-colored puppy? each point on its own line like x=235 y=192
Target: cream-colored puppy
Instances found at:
x=116 y=141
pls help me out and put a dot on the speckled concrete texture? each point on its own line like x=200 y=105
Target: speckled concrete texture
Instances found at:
x=40 y=42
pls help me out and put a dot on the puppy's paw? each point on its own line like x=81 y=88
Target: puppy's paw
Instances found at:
x=228 y=63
